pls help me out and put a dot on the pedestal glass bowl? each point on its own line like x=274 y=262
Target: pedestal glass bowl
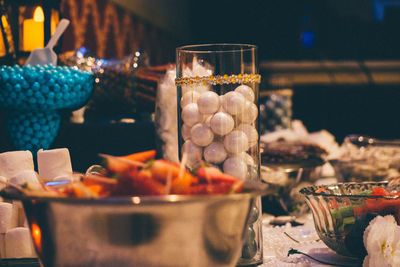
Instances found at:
x=34 y=97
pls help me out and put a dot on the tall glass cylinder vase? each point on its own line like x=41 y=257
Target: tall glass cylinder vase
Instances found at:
x=218 y=122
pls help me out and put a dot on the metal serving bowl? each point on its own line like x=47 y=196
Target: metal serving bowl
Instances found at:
x=345 y=210
x=285 y=181
x=171 y=230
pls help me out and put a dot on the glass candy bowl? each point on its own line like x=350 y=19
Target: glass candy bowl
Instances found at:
x=33 y=97
x=342 y=211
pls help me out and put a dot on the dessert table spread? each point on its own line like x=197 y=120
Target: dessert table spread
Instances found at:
x=278 y=240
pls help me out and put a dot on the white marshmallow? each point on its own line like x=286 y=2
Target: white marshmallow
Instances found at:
x=189 y=97
x=71 y=178
x=6 y=216
x=201 y=134
x=236 y=167
x=234 y=103
x=191 y=115
x=236 y=142
x=53 y=163
x=208 y=102
x=3 y=182
x=2 y=246
x=185 y=131
x=28 y=178
x=246 y=91
x=250 y=132
x=222 y=123
x=215 y=153
x=11 y=163
x=18 y=214
x=250 y=114
x=19 y=243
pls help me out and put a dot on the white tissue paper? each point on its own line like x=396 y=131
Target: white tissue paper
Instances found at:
x=166 y=106
x=13 y=162
x=6 y=216
x=54 y=163
x=27 y=178
x=299 y=133
x=19 y=243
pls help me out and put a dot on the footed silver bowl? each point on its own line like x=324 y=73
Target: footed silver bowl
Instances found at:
x=171 y=230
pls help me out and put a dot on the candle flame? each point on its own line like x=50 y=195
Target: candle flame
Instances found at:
x=38 y=15
x=4 y=21
x=36 y=236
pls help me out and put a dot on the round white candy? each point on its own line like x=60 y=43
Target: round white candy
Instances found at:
x=236 y=142
x=189 y=97
x=207 y=120
x=222 y=123
x=215 y=153
x=233 y=103
x=208 y=102
x=246 y=91
x=251 y=133
x=246 y=158
x=191 y=115
x=236 y=167
x=193 y=153
x=201 y=134
x=250 y=114
x=185 y=132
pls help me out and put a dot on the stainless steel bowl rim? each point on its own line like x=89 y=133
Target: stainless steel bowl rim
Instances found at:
x=310 y=190
x=251 y=189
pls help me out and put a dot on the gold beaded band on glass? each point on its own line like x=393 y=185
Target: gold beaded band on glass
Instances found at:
x=219 y=79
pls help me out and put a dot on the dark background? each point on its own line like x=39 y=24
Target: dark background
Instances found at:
x=329 y=30
x=285 y=29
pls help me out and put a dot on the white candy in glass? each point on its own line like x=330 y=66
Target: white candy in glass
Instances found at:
x=251 y=133
x=222 y=123
x=185 y=130
x=221 y=100
x=246 y=158
x=215 y=153
x=236 y=167
x=193 y=153
x=191 y=115
x=207 y=120
x=201 y=134
x=246 y=91
x=250 y=114
x=234 y=103
x=236 y=142
x=208 y=102
x=189 y=97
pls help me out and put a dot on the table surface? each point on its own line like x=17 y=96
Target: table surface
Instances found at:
x=277 y=242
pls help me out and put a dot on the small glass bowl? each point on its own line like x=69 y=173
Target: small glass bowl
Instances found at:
x=344 y=210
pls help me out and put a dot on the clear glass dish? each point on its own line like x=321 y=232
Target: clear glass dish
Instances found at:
x=343 y=211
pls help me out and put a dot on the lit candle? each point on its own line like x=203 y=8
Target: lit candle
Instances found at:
x=33 y=30
x=3 y=51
